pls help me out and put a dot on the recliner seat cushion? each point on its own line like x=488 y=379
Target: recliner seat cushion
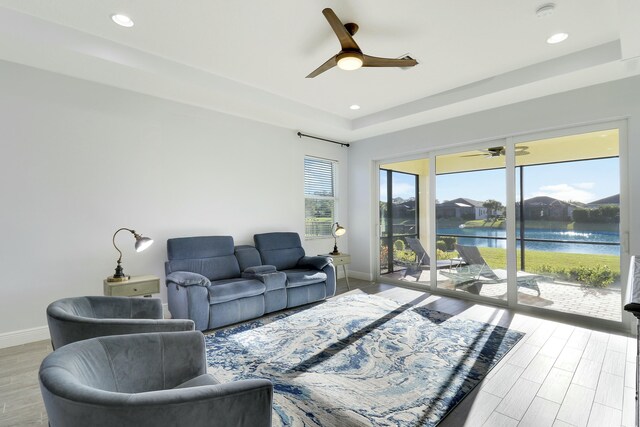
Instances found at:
x=227 y=290
x=304 y=277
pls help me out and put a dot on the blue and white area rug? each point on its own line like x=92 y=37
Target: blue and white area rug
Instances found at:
x=360 y=360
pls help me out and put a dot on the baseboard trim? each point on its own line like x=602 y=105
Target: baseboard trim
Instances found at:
x=360 y=275
x=165 y=311
x=24 y=336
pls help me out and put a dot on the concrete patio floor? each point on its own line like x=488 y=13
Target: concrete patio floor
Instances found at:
x=554 y=295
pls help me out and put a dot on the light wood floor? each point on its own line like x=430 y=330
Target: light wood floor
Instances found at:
x=557 y=375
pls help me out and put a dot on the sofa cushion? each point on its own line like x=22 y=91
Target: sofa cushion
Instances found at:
x=317 y=262
x=227 y=290
x=282 y=249
x=211 y=256
x=199 y=247
x=218 y=268
x=248 y=256
x=272 y=280
x=304 y=277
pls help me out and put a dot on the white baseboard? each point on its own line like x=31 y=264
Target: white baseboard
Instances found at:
x=165 y=311
x=24 y=336
x=360 y=275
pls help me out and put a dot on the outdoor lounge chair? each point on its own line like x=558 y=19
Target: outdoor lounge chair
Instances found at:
x=478 y=271
x=423 y=261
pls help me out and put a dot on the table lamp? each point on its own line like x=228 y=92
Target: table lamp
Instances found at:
x=142 y=243
x=336 y=231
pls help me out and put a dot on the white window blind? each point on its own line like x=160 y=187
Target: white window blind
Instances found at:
x=319 y=193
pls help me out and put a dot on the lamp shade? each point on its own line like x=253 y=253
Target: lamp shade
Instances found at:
x=142 y=243
x=340 y=230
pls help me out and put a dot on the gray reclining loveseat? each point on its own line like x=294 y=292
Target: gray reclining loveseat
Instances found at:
x=214 y=283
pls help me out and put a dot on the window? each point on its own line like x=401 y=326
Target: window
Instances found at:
x=319 y=197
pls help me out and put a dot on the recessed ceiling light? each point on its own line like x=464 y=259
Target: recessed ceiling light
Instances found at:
x=355 y=107
x=122 y=20
x=545 y=10
x=557 y=38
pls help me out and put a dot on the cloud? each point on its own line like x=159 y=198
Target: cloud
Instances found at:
x=577 y=192
x=404 y=190
x=585 y=185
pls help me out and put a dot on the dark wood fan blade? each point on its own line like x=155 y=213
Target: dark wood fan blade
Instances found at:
x=331 y=62
x=373 y=61
x=346 y=41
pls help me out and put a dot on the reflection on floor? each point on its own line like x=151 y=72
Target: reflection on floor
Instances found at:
x=554 y=295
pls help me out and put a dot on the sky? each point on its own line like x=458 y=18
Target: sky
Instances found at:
x=584 y=181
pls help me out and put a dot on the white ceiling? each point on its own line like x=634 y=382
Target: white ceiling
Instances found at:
x=250 y=58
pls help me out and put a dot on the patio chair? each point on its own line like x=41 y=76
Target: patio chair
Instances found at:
x=482 y=273
x=423 y=261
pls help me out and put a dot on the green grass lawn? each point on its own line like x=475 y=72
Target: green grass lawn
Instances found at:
x=481 y=223
x=591 y=270
x=497 y=258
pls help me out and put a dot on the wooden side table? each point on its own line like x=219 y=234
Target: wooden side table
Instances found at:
x=135 y=286
x=343 y=260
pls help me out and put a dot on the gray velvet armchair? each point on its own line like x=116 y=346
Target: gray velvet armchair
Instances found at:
x=80 y=318
x=154 y=379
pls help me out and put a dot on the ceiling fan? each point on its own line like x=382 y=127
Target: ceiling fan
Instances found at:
x=521 y=150
x=350 y=56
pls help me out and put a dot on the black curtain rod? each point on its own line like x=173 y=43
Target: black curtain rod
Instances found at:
x=342 y=144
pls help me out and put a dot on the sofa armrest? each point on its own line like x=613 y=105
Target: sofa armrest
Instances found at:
x=272 y=279
x=317 y=262
x=260 y=269
x=187 y=278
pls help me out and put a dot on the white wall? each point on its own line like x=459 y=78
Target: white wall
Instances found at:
x=80 y=160
x=611 y=101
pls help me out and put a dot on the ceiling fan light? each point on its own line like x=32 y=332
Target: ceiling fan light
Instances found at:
x=350 y=61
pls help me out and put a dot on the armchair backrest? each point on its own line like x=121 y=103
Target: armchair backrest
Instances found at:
x=281 y=249
x=80 y=318
x=211 y=256
x=105 y=307
x=92 y=370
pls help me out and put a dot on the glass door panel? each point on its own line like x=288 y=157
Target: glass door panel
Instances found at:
x=471 y=222
x=403 y=217
x=567 y=224
x=399 y=219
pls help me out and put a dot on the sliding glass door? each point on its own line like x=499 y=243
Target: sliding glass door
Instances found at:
x=519 y=221
x=568 y=223
x=471 y=222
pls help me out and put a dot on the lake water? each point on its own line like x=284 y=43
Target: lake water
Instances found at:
x=474 y=236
